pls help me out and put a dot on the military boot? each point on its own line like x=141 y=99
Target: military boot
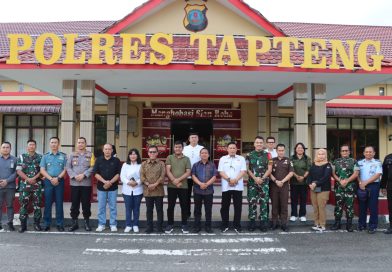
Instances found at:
x=349 y=225
x=251 y=225
x=337 y=225
x=264 y=226
x=87 y=226
x=74 y=225
x=23 y=225
x=37 y=225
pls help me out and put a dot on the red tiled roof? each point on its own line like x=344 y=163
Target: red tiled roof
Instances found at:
x=183 y=53
x=341 y=32
x=80 y=27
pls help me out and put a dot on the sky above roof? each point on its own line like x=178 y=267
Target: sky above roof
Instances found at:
x=376 y=12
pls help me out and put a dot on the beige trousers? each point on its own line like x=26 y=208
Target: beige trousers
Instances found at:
x=319 y=202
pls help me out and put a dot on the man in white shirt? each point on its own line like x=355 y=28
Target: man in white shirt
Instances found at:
x=271 y=147
x=232 y=168
x=192 y=151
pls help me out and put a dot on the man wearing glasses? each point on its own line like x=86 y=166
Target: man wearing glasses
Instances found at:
x=152 y=175
x=345 y=174
x=271 y=147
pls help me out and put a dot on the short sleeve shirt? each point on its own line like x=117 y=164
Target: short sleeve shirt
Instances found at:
x=54 y=164
x=178 y=168
x=258 y=162
x=107 y=169
x=232 y=166
x=368 y=168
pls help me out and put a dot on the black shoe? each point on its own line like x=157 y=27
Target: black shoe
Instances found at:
x=87 y=226
x=388 y=230
x=238 y=229
x=371 y=231
x=251 y=225
x=274 y=226
x=263 y=226
x=196 y=230
x=74 y=225
x=360 y=228
x=349 y=225
x=160 y=230
x=209 y=230
x=23 y=226
x=285 y=228
x=37 y=226
x=337 y=225
x=47 y=228
x=60 y=228
x=11 y=226
x=149 y=230
x=224 y=229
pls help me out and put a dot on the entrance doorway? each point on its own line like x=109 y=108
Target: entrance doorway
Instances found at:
x=181 y=128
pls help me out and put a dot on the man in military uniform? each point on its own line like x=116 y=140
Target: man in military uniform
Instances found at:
x=53 y=169
x=79 y=167
x=386 y=185
x=30 y=185
x=345 y=174
x=259 y=164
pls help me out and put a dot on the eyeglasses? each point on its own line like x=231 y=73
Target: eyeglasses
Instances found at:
x=344 y=150
x=270 y=142
x=152 y=152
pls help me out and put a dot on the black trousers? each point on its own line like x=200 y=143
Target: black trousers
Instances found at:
x=189 y=196
x=80 y=194
x=158 y=202
x=225 y=209
x=199 y=199
x=298 y=191
x=389 y=196
x=172 y=194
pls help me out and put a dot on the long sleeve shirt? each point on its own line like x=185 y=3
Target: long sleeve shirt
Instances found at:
x=129 y=171
x=321 y=175
x=152 y=172
x=8 y=171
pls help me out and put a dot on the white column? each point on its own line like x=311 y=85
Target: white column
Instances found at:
x=123 y=137
x=262 y=118
x=111 y=121
x=301 y=122
x=87 y=112
x=68 y=116
x=319 y=116
x=274 y=119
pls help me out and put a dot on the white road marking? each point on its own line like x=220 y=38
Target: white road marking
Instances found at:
x=187 y=252
x=259 y=268
x=189 y=240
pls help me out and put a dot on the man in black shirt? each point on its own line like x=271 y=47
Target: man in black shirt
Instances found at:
x=107 y=172
x=386 y=187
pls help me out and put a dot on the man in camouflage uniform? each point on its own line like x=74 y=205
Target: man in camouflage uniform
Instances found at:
x=259 y=163
x=345 y=174
x=30 y=185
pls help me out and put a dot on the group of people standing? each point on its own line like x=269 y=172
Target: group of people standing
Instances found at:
x=271 y=176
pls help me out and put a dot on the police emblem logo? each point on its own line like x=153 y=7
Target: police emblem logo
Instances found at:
x=195 y=17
